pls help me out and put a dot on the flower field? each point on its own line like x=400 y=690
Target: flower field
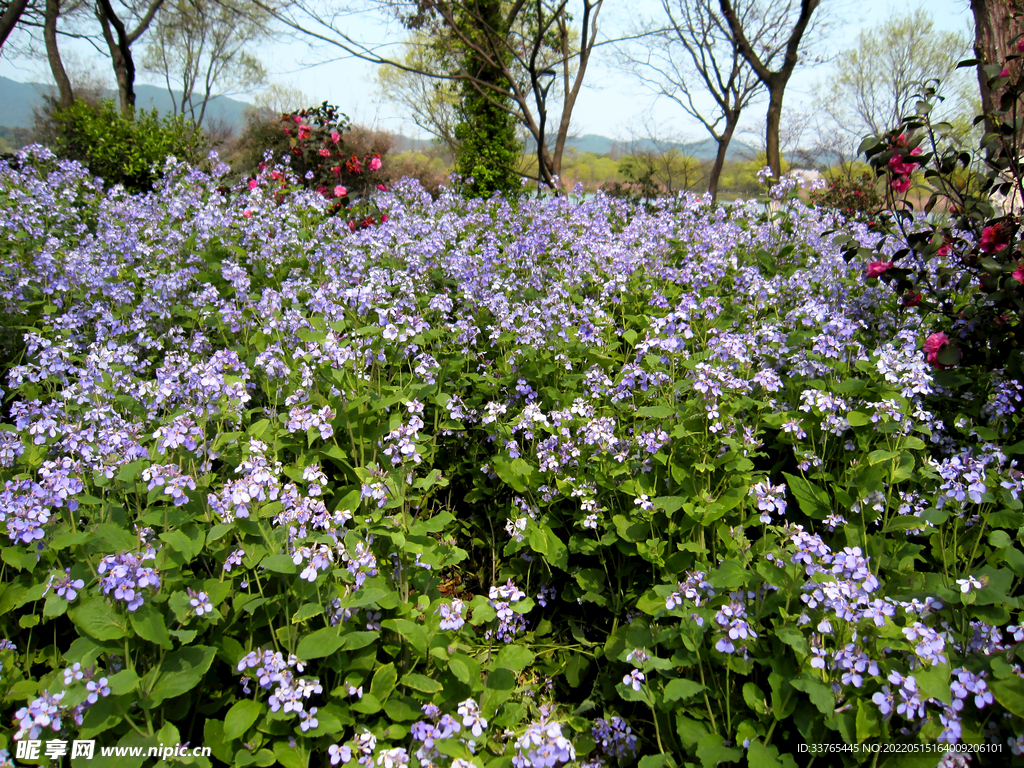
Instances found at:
x=489 y=484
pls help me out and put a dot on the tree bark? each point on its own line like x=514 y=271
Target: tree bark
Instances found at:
x=775 y=81
x=50 y=16
x=723 y=147
x=10 y=19
x=120 y=56
x=994 y=29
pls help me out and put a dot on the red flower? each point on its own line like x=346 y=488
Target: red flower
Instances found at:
x=324 y=152
x=382 y=188
x=911 y=299
x=383 y=218
x=304 y=132
x=901 y=185
x=932 y=345
x=353 y=165
x=993 y=239
x=876 y=268
x=1018 y=274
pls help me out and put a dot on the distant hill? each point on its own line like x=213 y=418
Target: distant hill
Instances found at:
x=21 y=99
x=699 y=150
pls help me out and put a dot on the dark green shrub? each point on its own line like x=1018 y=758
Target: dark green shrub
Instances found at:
x=122 y=151
x=856 y=197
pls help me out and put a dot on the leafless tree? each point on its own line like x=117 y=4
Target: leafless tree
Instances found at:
x=796 y=20
x=690 y=52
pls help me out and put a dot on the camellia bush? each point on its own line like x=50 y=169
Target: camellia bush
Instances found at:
x=564 y=482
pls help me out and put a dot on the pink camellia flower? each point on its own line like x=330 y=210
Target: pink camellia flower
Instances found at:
x=296 y=119
x=253 y=183
x=382 y=188
x=340 y=191
x=1020 y=45
x=375 y=164
x=247 y=213
x=324 y=152
x=932 y=345
x=336 y=170
x=1005 y=72
x=901 y=185
x=305 y=131
x=1018 y=273
x=875 y=268
x=335 y=137
x=992 y=239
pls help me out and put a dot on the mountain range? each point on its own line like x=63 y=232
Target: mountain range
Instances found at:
x=20 y=101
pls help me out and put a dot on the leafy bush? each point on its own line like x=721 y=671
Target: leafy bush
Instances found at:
x=119 y=150
x=546 y=482
x=854 y=197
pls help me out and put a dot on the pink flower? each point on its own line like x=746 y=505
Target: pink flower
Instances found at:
x=247 y=213
x=296 y=119
x=253 y=183
x=932 y=345
x=992 y=239
x=335 y=137
x=1005 y=72
x=324 y=152
x=901 y=185
x=304 y=131
x=1020 y=45
x=340 y=191
x=875 y=268
x=1018 y=273
x=375 y=164
x=382 y=188
x=336 y=170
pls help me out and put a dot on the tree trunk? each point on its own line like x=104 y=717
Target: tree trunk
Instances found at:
x=50 y=16
x=10 y=19
x=994 y=28
x=120 y=56
x=774 y=127
x=723 y=147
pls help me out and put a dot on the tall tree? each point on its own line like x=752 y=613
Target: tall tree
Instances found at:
x=531 y=29
x=202 y=47
x=877 y=83
x=774 y=80
x=119 y=40
x=50 y=16
x=691 y=51
x=997 y=23
x=12 y=13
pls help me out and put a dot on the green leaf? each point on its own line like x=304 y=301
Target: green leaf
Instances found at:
x=149 y=624
x=181 y=671
x=422 y=683
x=934 y=682
x=544 y=541
x=514 y=657
x=858 y=419
x=794 y=638
x=679 y=689
x=514 y=472
x=123 y=682
x=384 y=681
x=711 y=751
x=415 y=634
x=1010 y=693
x=240 y=718
x=98 y=619
x=814 y=502
x=820 y=694
x=321 y=643
x=306 y=612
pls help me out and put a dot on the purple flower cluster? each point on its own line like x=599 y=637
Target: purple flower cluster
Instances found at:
x=614 y=737
x=509 y=622
x=126 y=577
x=27 y=506
x=272 y=668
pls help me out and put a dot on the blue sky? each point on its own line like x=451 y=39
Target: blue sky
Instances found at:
x=611 y=102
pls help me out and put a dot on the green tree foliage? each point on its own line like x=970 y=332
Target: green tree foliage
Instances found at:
x=120 y=150
x=877 y=83
x=488 y=151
